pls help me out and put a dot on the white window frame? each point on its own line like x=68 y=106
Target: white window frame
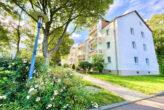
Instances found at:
x=136 y=60
x=109 y=61
x=108 y=45
x=134 y=45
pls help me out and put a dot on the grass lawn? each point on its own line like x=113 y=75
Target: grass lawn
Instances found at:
x=103 y=97
x=147 y=84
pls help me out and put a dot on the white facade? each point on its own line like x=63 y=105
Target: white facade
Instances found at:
x=127 y=46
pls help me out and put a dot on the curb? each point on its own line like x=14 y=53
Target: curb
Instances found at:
x=110 y=106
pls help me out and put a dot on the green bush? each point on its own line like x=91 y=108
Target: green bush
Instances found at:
x=14 y=75
x=65 y=65
x=56 y=89
x=73 y=66
x=86 y=66
x=98 y=62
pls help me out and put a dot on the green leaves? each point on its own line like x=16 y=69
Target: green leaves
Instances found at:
x=157 y=25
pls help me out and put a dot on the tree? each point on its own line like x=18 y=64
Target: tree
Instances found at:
x=98 y=62
x=61 y=14
x=86 y=66
x=4 y=37
x=157 y=25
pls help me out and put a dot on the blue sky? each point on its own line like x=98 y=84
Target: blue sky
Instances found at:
x=146 y=8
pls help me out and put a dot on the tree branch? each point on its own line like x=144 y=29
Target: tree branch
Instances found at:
x=24 y=10
x=32 y=4
x=60 y=40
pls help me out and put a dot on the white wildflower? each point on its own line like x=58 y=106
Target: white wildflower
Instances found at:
x=49 y=70
x=55 y=92
x=95 y=105
x=25 y=61
x=59 y=80
x=49 y=105
x=13 y=63
x=37 y=99
x=3 y=97
x=36 y=86
x=61 y=90
x=28 y=97
x=9 y=66
x=1 y=105
x=31 y=89
x=52 y=98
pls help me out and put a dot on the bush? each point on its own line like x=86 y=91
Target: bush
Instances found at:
x=98 y=63
x=14 y=75
x=65 y=65
x=86 y=66
x=73 y=66
x=55 y=89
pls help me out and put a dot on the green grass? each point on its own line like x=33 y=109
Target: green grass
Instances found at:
x=147 y=84
x=102 y=97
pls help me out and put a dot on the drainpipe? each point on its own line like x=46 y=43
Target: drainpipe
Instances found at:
x=115 y=42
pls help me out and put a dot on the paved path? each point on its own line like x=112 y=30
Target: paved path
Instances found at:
x=125 y=93
x=156 y=103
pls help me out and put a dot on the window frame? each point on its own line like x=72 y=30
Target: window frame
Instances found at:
x=132 y=31
x=144 y=47
x=136 y=60
x=134 y=45
x=107 y=32
x=109 y=61
x=147 y=61
x=108 y=45
x=142 y=34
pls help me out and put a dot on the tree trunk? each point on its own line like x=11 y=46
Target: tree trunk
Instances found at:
x=45 y=48
x=47 y=59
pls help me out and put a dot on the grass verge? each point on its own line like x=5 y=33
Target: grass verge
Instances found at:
x=148 y=84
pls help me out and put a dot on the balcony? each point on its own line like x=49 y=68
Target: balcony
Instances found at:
x=92 y=29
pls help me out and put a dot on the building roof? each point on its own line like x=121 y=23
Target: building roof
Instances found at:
x=137 y=15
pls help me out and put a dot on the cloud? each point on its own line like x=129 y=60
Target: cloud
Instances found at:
x=146 y=9
x=75 y=45
x=75 y=36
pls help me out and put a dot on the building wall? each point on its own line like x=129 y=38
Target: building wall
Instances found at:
x=109 y=52
x=127 y=52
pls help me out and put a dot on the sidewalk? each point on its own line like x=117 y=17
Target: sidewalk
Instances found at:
x=156 y=103
x=125 y=93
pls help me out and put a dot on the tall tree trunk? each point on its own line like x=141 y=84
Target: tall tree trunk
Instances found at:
x=45 y=48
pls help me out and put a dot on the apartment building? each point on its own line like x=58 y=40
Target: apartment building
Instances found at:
x=126 y=44
x=71 y=58
x=82 y=51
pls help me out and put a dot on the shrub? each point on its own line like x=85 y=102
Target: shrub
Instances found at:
x=14 y=74
x=86 y=66
x=65 y=65
x=73 y=66
x=56 y=89
x=98 y=63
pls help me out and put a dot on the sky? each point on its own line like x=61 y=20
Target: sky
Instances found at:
x=146 y=8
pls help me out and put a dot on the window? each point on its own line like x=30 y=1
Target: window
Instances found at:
x=142 y=34
x=147 y=61
x=109 y=59
x=107 y=32
x=134 y=45
x=136 y=60
x=144 y=47
x=132 y=31
x=108 y=44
